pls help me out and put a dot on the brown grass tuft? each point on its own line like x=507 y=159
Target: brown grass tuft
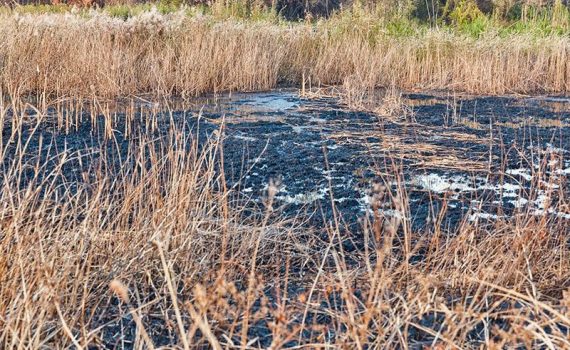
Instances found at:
x=98 y=55
x=120 y=290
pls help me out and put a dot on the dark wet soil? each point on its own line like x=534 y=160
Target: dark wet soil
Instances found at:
x=489 y=157
x=486 y=157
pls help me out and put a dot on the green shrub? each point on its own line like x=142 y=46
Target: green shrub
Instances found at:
x=36 y=9
x=475 y=27
x=168 y=6
x=401 y=27
x=119 y=11
x=463 y=12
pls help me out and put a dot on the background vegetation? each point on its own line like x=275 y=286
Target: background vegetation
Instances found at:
x=435 y=12
x=123 y=50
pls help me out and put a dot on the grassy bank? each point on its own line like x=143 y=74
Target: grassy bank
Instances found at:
x=185 y=52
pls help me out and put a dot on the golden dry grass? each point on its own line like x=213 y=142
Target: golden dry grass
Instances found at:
x=155 y=253
x=72 y=55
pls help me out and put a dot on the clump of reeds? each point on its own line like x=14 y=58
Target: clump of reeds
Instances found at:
x=95 y=54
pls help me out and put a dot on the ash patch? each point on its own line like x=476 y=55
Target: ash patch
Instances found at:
x=486 y=157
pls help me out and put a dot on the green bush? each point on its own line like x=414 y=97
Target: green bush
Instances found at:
x=463 y=12
x=34 y=9
x=119 y=11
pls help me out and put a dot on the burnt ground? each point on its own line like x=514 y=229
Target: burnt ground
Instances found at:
x=488 y=157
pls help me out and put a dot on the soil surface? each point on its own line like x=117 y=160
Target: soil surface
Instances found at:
x=487 y=157
x=484 y=157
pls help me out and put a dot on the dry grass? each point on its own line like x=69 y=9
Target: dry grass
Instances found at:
x=64 y=239
x=73 y=55
x=152 y=251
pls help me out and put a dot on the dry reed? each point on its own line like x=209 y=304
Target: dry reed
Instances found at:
x=79 y=267
x=97 y=55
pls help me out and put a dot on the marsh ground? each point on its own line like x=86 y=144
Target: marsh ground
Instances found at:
x=482 y=154
x=144 y=203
